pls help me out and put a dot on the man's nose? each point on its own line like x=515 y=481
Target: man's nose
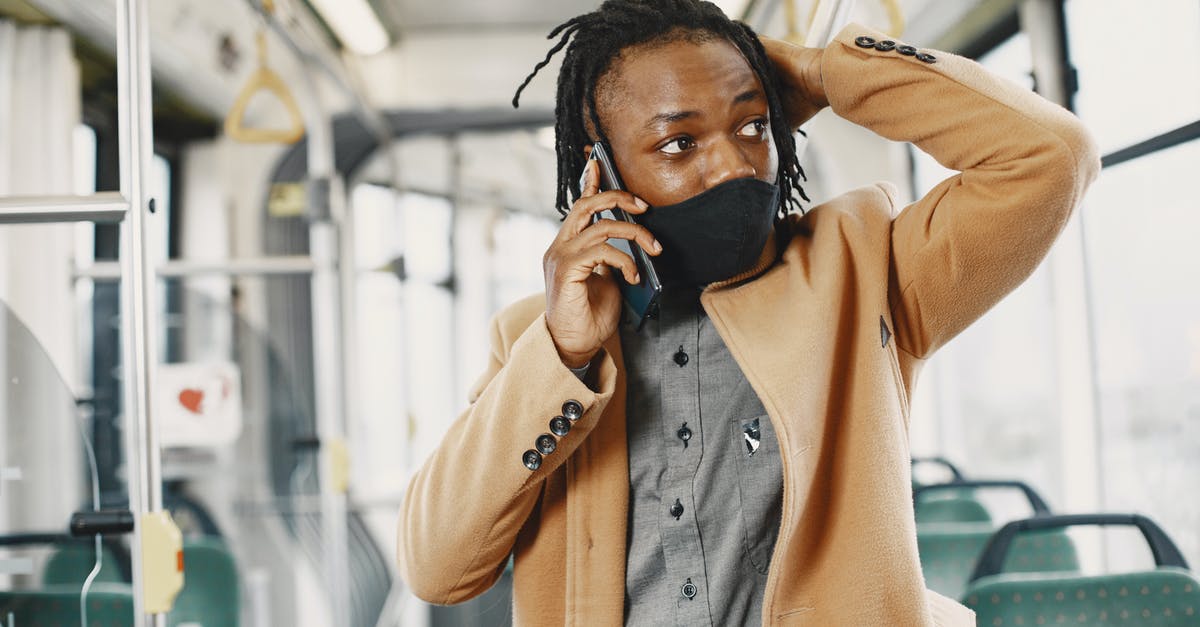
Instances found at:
x=727 y=161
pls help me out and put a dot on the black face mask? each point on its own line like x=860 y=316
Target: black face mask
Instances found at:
x=714 y=235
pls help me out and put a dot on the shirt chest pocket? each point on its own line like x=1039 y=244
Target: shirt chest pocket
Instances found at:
x=760 y=486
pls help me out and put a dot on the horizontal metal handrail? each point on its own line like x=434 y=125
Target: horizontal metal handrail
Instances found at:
x=102 y=207
x=261 y=266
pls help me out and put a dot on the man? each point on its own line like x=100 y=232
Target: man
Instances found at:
x=743 y=457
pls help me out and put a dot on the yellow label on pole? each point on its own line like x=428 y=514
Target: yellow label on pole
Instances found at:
x=162 y=562
x=339 y=466
x=287 y=200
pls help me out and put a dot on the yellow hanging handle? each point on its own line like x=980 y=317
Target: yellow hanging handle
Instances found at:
x=896 y=17
x=264 y=79
x=796 y=35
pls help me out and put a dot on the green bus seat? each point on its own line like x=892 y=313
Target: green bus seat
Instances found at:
x=949 y=553
x=71 y=564
x=1165 y=597
x=211 y=595
x=950 y=510
x=109 y=605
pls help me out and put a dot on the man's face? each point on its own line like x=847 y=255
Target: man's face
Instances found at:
x=683 y=117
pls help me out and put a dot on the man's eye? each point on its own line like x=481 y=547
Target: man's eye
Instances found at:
x=755 y=128
x=677 y=145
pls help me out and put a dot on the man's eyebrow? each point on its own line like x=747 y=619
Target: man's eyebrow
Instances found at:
x=748 y=96
x=670 y=117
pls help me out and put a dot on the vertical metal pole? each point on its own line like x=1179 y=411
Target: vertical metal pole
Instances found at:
x=143 y=465
x=831 y=16
x=1082 y=458
x=327 y=358
x=457 y=183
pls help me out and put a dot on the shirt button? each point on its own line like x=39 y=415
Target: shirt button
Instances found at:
x=689 y=589
x=681 y=357
x=546 y=444
x=532 y=459
x=560 y=426
x=677 y=509
x=572 y=410
x=684 y=434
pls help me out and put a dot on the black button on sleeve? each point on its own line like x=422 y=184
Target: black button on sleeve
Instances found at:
x=926 y=57
x=532 y=459
x=677 y=509
x=681 y=357
x=906 y=50
x=864 y=42
x=689 y=589
x=560 y=426
x=887 y=45
x=572 y=410
x=546 y=444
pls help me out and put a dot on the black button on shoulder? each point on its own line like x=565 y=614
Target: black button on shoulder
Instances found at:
x=689 y=589
x=677 y=509
x=532 y=459
x=572 y=410
x=926 y=57
x=906 y=50
x=560 y=426
x=681 y=357
x=887 y=45
x=546 y=444
x=864 y=42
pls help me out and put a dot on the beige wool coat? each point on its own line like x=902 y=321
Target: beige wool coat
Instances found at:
x=831 y=330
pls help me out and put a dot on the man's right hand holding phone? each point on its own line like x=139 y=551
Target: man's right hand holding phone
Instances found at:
x=583 y=303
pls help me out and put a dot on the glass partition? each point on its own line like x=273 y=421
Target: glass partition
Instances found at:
x=235 y=407
x=47 y=475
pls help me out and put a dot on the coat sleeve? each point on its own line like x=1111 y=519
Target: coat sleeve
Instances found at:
x=464 y=507
x=1023 y=165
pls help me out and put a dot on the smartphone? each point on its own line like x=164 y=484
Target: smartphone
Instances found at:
x=641 y=299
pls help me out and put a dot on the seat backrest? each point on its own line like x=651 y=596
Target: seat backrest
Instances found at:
x=1165 y=597
x=211 y=595
x=958 y=509
x=108 y=604
x=70 y=565
x=949 y=552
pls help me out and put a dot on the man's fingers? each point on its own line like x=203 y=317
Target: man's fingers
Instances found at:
x=591 y=179
x=586 y=262
x=581 y=214
x=605 y=229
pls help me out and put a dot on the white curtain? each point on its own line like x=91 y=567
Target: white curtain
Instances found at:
x=39 y=111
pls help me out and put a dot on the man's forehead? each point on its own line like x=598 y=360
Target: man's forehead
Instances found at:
x=675 y=74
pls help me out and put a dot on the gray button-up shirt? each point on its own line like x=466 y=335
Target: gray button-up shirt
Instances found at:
x=705 y=477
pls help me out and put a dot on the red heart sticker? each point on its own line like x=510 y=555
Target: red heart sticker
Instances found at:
x=191 y=399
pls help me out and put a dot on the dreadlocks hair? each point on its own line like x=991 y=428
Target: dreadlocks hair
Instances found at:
x=598 y=39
